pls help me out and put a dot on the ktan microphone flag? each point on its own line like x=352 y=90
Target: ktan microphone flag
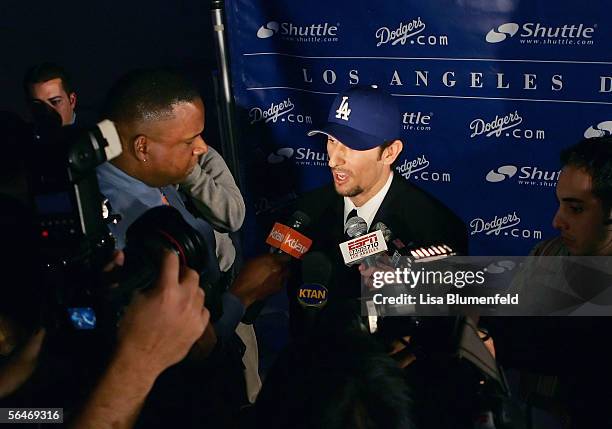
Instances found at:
x=312 y=295
x=356 y=249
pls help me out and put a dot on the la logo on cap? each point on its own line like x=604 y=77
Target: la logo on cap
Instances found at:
x=343 y=111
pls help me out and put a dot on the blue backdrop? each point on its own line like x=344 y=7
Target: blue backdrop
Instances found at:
x=490 y=92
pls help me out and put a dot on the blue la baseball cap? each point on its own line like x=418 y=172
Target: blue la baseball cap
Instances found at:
x=362 y=118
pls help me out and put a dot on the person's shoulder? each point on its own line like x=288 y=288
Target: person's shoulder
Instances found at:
x=316 y=202
x=417 y=214
x=420 y=200
x=552 y=247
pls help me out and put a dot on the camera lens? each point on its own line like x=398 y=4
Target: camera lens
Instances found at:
x=163 y=227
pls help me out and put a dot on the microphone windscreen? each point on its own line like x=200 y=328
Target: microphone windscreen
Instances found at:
x=387 y=234
x=300 y=217
x=355 y=227
x=316 y=276
x=316 y=268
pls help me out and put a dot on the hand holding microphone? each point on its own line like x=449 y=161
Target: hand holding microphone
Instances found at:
x=286 y=243
x=259 y=278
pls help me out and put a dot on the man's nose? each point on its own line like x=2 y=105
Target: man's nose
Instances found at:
x=558 y=221
x=336 y=156
x=200 y=147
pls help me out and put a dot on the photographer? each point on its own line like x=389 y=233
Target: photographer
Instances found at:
x=162 y=324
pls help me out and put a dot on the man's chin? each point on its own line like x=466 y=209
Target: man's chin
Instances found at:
x=188 y=172
x=347 y=192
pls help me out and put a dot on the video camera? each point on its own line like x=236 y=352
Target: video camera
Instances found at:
x=72 y=219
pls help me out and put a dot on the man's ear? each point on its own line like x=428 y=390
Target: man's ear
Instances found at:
x=73 y=99
x=140 y=146
x=392 y=151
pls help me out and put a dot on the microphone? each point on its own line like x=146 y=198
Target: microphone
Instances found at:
x=396 y=247
x=284 y=239
x=418 y=254
x=287 y=239
x=316 y=274
x=430 y=253
x=362 y=244
x=313 y=293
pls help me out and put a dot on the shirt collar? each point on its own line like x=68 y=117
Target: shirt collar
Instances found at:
x=114 y=180
x=370 y=208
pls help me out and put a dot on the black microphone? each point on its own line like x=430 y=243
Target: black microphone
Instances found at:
x=313 y=293
x=284 y=239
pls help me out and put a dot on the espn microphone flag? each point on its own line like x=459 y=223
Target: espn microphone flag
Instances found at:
x=357 y=249
x=288 y=240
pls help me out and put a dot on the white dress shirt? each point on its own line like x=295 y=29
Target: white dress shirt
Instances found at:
x=370 y=208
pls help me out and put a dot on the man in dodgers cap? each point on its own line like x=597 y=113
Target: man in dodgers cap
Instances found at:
x=363 y=133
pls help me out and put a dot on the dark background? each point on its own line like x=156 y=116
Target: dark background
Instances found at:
x=97 y=41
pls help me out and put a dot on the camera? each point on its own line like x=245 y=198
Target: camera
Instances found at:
x=72 y=219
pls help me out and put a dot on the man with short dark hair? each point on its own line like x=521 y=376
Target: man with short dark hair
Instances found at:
x=160 y=118
x=584 y=192
x=565 y=359
x=50 y=84
x=363 y=142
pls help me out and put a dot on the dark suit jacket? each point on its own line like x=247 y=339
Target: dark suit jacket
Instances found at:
x=410 y=213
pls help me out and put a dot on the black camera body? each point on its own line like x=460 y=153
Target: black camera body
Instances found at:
x=74 y=240
x=72 y=219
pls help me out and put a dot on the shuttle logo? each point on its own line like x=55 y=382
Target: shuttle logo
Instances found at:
x=309 y=33
x=416 y=121
x=506 y=226
x=280 y=155
x=268 y=30
x=409 y=32
x=504 y=172
x=502 y=32
x=527 y=175
x=600 y=130
x=535 y=33
x=303 y=156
